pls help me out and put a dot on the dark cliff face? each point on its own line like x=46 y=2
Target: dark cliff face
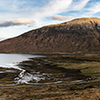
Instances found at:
x=80 y=35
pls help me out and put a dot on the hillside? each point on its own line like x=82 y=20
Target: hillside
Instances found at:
x=79 y=36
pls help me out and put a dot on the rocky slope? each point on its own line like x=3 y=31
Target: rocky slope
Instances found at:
x=79 y=36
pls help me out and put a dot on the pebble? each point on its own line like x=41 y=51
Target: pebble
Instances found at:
x=77 y=93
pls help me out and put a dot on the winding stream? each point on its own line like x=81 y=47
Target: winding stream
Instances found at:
x=12 y=72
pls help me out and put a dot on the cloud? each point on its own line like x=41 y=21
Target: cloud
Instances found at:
x=1 y=38
x=15 y=5
x=79 y=5
x=91 y=10
x=62 y=18
x=16 y=22
x=39 y=13
x=52 y=8
x=56 y=7
x=22 y=21
x=95 y=8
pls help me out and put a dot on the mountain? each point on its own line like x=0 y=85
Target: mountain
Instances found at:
x=79 y=36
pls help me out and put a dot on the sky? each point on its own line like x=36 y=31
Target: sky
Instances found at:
x=19 y=16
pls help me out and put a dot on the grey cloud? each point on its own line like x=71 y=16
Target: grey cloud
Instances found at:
x=16 y=22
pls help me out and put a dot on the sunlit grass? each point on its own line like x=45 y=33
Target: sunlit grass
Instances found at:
x=87 y=69
x=89 y=66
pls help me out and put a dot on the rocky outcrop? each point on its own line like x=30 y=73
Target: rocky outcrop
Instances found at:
x=79 y=35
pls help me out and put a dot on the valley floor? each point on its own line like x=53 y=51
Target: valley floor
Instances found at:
x=84 y=91
x=84 y=67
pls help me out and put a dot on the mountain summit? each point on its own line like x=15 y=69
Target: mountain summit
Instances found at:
x=78 y=36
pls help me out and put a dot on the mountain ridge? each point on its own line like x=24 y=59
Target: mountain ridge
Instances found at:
x=80 y=35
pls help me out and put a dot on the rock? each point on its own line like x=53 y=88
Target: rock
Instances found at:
x=77 y=93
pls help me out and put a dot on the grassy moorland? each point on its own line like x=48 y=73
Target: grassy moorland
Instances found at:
x=76 y=67
x=89 y=65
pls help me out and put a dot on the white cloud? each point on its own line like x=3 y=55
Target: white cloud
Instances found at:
x=8 y=32
x=62 y=18
x=79 y=5
x=22 y=21
x=52 y=8
x=16 y=22
x=14 y=5
x=55 y=7
x=95 y=8
x=1 y=38
x=91 y=10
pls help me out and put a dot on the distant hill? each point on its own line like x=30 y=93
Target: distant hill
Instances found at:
x=79 y=36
